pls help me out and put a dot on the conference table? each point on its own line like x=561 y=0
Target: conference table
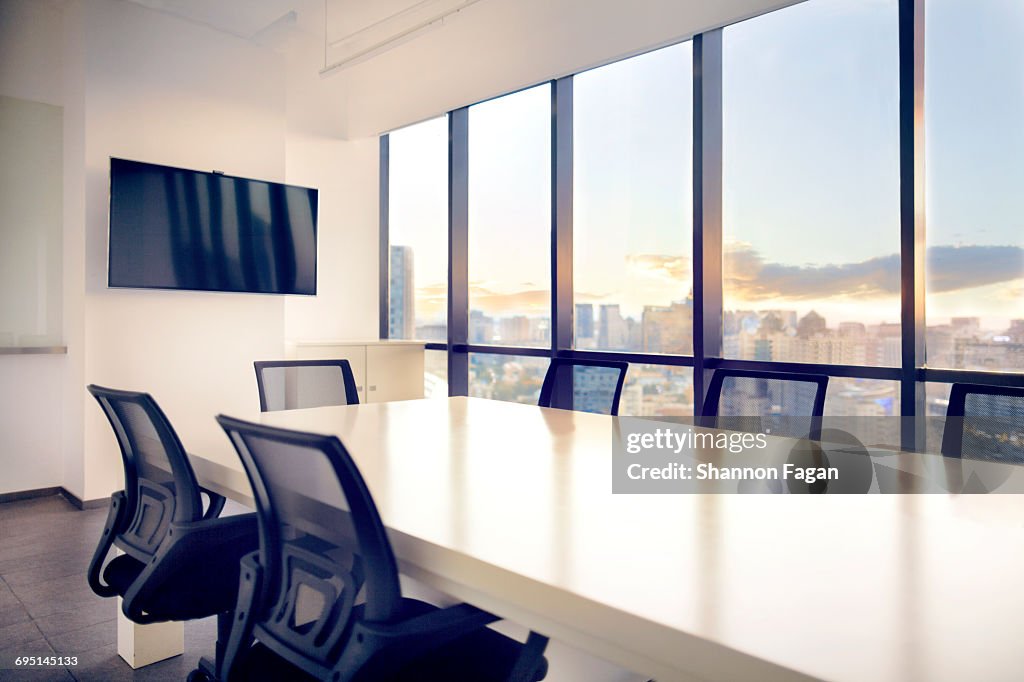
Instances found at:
x=510 y=507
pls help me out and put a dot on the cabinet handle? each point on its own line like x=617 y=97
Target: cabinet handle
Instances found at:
x=373 y=388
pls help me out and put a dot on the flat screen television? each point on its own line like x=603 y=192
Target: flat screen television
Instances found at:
x=172 y=228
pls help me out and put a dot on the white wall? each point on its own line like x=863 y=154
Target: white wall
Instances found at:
x=30 y=422
x=345 y=172
x=30 y=54
x=166 y=91
x=31 y=387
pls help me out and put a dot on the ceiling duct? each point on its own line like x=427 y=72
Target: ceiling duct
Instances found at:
x=356 y=31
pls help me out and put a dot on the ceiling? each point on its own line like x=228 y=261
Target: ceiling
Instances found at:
x=244 y=18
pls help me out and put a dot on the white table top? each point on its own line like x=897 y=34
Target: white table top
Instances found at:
x=509 y=507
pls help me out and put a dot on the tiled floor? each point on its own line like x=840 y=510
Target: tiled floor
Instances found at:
x=47 y=608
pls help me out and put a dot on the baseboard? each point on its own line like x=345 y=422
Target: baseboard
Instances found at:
x=83 y=504
x=29 y=494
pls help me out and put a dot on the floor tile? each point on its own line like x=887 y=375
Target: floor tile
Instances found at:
x=13 y=614
x=84 y=639
x=90 y=613
x=18 y=634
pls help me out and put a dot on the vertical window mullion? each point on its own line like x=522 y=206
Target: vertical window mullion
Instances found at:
x=384 y=263
x=458 y=251
x=707 y=209
x=562 y=332
x=912 y=220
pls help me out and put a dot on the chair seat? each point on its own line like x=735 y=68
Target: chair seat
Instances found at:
x=482 y=656
x=187 y=595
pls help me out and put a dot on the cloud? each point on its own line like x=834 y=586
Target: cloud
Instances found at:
x=950 y=268
x=529 y=301
x=749 y=277
x=657 y=265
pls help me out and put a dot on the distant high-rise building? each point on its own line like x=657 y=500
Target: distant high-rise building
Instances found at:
x=852 y=329
x=810 y=325
x=402 y=303
x=668 y=329
x=612 y=331
x=584 y=321
x=1016 y=331
x=966 y=325
x=515 y=329
x=772 y=323
x=481 y=327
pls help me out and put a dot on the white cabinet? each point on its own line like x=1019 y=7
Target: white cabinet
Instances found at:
x=383 y=370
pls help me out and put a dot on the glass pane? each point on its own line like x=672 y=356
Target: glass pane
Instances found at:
x=876 y=399
x=418 y=230
x=936 y=404
x=515 y=378
x=633 y=203
x=974 y=105
x=657 y=391
x=811 y=184
x=435 y=374
x=510 y=219
x=31 y=223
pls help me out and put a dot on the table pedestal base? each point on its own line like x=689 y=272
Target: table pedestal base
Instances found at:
x=141 y=645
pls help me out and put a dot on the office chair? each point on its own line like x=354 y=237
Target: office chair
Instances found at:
x=589 y=385
x=985 y=423
x=780 y=403
x=179 y=563
x=296 y=384
x=322 y=543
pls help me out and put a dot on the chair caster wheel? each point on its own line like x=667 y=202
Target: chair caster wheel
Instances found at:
x=198 y=675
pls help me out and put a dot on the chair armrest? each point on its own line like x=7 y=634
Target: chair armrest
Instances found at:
x=446 y=624
x=223 y=529
x=250 y=585
x=216 y=504
x=116 y=520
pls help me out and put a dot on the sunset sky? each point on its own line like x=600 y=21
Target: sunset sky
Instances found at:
x=811 y=173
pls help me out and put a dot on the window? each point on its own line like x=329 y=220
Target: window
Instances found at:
x=811 y=232
x=510 y=220
x=974 y=104
x=435 y=374
x=633 y=204
x=657 y=391
x=513 y=378
x=811 y=185
x=418 y=231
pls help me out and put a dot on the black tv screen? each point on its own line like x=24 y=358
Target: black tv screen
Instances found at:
x=172 y=228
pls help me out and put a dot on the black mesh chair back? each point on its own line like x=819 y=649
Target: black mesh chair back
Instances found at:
x=321 y=543
x=985 y=423
x=159 y=484
x=588 y=385
x=297 y=384
x=780 y=403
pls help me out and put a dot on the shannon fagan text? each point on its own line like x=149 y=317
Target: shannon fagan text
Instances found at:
x=710 y=472
x=676 y=442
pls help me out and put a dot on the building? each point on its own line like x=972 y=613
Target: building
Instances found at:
x=612 y=331
x=402 y=301
x=584 y=321
x=668 y=329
